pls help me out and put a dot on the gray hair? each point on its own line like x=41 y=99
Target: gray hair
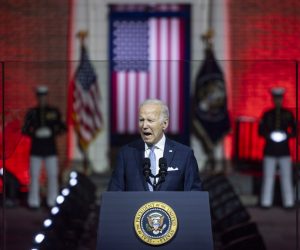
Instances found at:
x=164 y=108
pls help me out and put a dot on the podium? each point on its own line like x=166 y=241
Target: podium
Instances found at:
x=155 y=220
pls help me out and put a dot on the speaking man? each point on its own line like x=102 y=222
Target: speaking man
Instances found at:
x=155 y=162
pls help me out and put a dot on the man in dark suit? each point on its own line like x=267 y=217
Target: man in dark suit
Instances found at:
x=181 y=168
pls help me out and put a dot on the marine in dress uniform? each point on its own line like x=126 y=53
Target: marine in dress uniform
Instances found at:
x=43 y=123
x=277 y=126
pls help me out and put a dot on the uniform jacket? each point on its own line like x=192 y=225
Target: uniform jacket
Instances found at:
x=36 y=118
x=277 y=119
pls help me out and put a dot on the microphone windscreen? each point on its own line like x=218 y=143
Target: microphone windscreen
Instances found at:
x=162 y=163
x=146 y=162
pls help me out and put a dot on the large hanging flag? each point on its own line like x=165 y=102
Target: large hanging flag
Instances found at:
x=211 y=118
x=85 y=105
x=148 y=47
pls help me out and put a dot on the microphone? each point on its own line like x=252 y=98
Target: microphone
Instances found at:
x=146 y=168
x=147 y=172
x=163 y=169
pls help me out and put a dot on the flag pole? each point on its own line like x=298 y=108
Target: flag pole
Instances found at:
x=207 y=39
x=208 y=35
x=211 y=120
x=82 y=34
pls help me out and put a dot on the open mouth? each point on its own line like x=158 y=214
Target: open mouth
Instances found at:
x=147 y=134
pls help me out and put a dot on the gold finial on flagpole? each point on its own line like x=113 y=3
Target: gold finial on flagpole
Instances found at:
x=82 y=34
x=207 y=38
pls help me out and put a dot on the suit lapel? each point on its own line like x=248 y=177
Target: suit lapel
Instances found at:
x=169 y=151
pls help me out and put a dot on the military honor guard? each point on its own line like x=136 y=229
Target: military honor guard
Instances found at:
x=277 y=126
x=43 y=123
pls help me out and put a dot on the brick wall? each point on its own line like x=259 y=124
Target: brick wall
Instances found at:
x=34 y=48
x=264 y=44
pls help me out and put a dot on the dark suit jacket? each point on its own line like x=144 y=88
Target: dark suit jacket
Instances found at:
x=128 y=172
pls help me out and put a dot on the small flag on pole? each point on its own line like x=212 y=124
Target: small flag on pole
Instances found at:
x=211 y=119
x=86 y=113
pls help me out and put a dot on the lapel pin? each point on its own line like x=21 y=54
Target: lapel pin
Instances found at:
x=170 y=150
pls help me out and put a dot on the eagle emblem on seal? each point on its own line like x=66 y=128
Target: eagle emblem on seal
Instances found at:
x=156 y=223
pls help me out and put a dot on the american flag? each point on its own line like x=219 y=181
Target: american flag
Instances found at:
x=147 y=62
x=86 y=115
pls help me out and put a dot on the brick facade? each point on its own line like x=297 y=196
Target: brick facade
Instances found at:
x=34 y=50
x=264 y=47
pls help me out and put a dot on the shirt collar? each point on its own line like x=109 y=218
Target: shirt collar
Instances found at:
x=160 y=144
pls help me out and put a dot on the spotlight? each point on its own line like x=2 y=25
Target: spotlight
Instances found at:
x=65 y=192
x=73 y=175
x=60 y=199
x=67 y=218
x=73 y=182
x=54 y=210
x=47 y=223
x=39 y=238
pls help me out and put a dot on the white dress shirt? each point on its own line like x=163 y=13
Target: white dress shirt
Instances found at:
x=158 y=151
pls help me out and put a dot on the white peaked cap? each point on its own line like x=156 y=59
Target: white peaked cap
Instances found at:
x=42 y=90
x=277 y=91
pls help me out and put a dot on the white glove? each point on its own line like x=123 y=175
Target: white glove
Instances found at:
x=278 y=136
x=43 y=132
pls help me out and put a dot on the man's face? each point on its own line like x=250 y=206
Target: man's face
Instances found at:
x=42 y=100
x=278 y=101
x=150 y=123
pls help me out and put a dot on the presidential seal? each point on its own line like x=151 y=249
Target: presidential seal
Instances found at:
x=155 y=223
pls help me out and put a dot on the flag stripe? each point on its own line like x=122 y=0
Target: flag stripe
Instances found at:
x=114 y=101
x=153 y=57
x=158 y=58
x=181 y=72
x=169 y=56
x=131 y=102
x=121 y=102
x=163 y=60
x=137 y=98
x=173 y=75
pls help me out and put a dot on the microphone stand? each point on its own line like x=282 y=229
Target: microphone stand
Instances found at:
x=162 y=172
x=155 y=184
x=147 y=173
